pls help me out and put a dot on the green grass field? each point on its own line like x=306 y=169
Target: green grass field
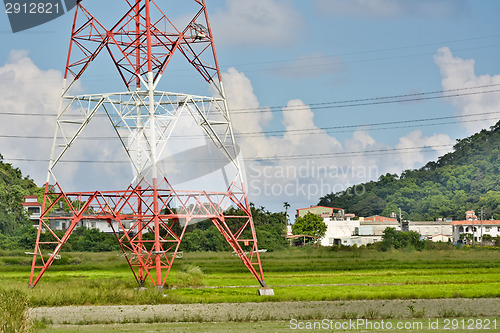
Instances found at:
x=309 y=274
x=299 y=274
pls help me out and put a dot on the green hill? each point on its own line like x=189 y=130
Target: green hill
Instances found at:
x=466 y=179
x=13 y=188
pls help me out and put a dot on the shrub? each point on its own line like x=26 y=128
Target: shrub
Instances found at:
x=393 y=239
x=190 y=276
x=14 y=315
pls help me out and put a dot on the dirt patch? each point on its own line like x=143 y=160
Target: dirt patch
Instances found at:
x=270 y=311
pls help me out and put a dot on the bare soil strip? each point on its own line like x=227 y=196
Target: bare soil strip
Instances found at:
x=270 y=311
x=304 y=285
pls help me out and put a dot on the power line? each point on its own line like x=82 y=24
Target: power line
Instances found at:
x=374 y=100
x=269 y=158
x=307 y=131
x=403 y=98
x=357 y=126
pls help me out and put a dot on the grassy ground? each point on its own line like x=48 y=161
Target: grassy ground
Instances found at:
x=295 y=275
x=308 y=274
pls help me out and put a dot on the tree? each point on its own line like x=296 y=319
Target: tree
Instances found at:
x=194 y=241
x=310 y=224
x=393 y=239
x=487 y=239
x=467 y=238
x=13 y=187
x=286 y=205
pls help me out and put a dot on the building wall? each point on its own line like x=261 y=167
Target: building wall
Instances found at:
x=33 y=208
x=442 y=238
x=354 y=232
x=342 y=230
x=317 y=210
x=429 y=229
x=337 y=231
x=466 y=227
x=377 y=228
x=101 y=225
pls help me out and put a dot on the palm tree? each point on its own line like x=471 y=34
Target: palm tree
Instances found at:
x=286 y=205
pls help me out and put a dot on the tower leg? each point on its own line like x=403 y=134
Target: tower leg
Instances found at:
x=251 y=257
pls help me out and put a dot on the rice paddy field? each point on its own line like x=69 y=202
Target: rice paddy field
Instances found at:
x=342 y=285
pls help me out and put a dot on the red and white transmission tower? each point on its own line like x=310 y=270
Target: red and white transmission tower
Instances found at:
x=141 y=45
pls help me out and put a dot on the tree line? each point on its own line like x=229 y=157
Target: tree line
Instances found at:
x=18 y=233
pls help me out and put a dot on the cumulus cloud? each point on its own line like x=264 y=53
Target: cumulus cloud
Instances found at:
x=30 y=100
x=304 y=162
x=257 y=22
x=460 y=73
x=428 y=148
x=29 y=104
x=382 y=9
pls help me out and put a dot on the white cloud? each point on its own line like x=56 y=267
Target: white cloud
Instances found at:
x=458 y=73
x=382 y=9
x=307 y=162
x=257 y=22
x=30 y=92
x=409 y=157
x=34 y=94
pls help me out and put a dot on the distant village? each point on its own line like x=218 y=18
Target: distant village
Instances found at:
x=342 y=228
x=347 y=229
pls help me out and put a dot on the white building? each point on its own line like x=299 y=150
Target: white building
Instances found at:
x=474 y=228
x=437 y=231
x=477 y=229
x=340 y=232
x=33 y=208
x=343 y=229
x=101 y=225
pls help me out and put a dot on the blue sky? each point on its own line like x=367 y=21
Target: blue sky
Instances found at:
x=287 y=57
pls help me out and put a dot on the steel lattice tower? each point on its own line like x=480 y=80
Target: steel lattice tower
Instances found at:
x=141 y=45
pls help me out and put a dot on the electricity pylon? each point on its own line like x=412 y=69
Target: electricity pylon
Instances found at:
x=148 y=216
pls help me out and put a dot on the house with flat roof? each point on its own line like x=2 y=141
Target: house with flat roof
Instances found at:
x=319 y=210
x=440 y=230
x=33 y=208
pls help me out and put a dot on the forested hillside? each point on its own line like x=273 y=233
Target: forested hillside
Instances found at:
x=467 y=178
x=13 y=188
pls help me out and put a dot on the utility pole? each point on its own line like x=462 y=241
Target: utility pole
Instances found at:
x=400 y=220
x=473 y=232
x=481 y=226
